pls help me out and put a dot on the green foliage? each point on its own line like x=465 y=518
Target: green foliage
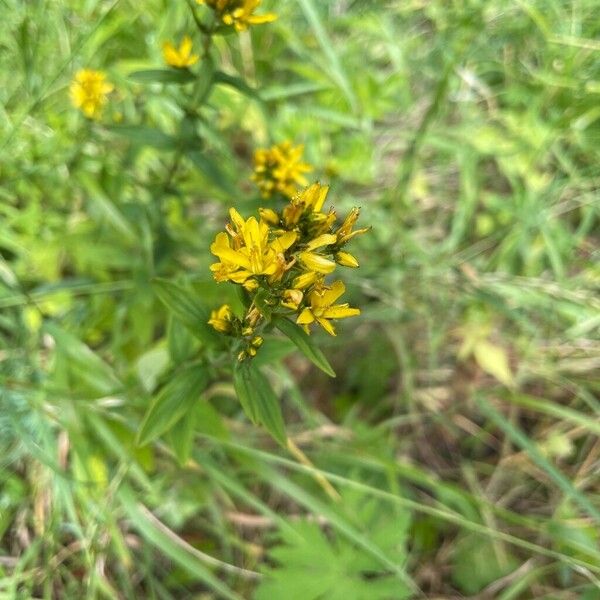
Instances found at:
x=312 y=563
x=140 y=458
x=258 y=399
x=173 y=402
x=305 y=345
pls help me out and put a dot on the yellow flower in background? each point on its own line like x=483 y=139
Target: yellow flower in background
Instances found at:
x=181 y=57
x=322 y=308
x=239 y=13
x=221 y=319
x=280 y=169
x=89 y=92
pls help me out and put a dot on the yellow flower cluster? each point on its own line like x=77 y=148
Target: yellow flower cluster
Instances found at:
x=280 y=169
x=89 y=92
x=182 y=57
x=239 y=13
x=281 y=260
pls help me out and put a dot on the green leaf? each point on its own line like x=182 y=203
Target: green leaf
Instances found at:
x=182 y=344
x=174 y=400
x=179 y=76
x=145 y=136
x=82 y=365
x=258 y=399
x=273 y=350
x=212 y=171
x=312 y=564
x=237 y=83
x=476 y=564
x=185 y=306
x=305 y=344
x=182 y=436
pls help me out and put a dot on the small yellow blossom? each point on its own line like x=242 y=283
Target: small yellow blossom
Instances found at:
x=344 y=234
x=314 y=261
x=239 y=13
x=291 y=299
x=221 y=319
x=252 y=253
x=280 y=169
x=269 y=216
x=181 y=57
x=89 y=92
x=322 y=307
x=305 y=280
x=282 y=260
x=346 y=260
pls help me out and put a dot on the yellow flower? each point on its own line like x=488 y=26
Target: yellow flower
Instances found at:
x=322 y=308
x=269 y=216
x=307 y=202
x=344 y=233
x=291 y=299
x=280 y=169
x=181 y=57
x=305 y=280
x=316 y=262
x=238 y=13
x=346 y=260
x=252 y=253
x=221 y=319
x=89 y=90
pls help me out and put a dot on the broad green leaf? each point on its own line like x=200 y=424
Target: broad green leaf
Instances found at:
x=179 y=76
x=305 y=344
x=172 y=402
x=185 y=306
x=258 y=399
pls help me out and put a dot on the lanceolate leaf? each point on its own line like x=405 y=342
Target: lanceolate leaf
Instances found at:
x=305 y=345
x=182 y=436
x=174 y=400
x=146 y=136
x=85 y=367
x=185 y=306
x=258 y=399
x=237 y=83
x=179 y=76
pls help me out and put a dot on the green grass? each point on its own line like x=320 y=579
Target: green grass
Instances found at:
x=461 y=432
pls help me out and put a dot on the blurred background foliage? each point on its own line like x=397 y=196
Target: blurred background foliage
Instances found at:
x=462 y=429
